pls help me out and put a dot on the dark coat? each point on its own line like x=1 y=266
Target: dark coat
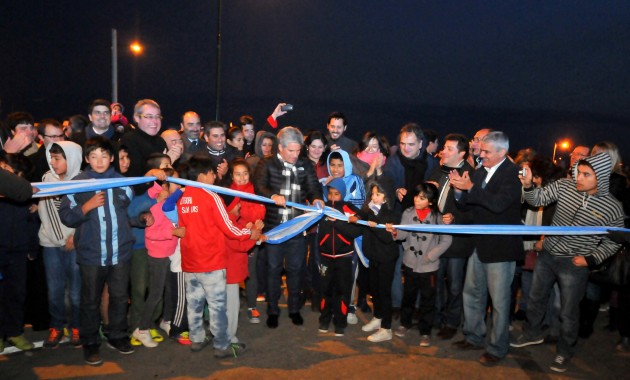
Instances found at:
x=378 y=244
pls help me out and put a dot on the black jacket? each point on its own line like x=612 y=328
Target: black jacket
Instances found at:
x=378 y=244
x=336 y=239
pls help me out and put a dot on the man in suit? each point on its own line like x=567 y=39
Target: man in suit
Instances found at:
x=191 y=136
x=493 y=195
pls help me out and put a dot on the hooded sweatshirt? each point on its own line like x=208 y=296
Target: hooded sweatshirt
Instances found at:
x=577 y=208
x=52 y=232
x=355 y=190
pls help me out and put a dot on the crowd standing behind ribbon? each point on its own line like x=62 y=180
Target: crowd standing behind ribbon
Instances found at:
x=174 y=251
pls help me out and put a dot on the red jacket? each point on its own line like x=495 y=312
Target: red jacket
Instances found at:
x=205 y=218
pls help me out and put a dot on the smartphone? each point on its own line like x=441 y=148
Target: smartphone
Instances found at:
x=287 y=107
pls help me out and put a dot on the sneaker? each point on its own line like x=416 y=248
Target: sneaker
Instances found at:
x=75 y=338
x=372 y=325
x=339 y=331
x=352 y=319
x=198 y=346
x=523 y=341
x=121 y=345
x=165 y=326
x=253 y=315
x=135 y=342
x=21 y=343
x=380 y=335
x=91 y=355
x=425 y=340
x=233 y=350
x=559 y=364
x=401 y=331
x=183 y=339
x=260 y=298
x=323 y=328
x=54 y=337
x=156 y=336
x=144 y=336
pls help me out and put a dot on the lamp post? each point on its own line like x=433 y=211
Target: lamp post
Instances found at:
x=563 y=145
x=136 y=49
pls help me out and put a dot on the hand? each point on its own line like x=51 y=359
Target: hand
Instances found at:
x=279 y=200
x=448 y=218
x=175 y=152
x=278 y=111
x=526 y=180
x=33 y=208
x=400 y=193
x=69 y=246
x=462 y=182
x=180 y=232
x=157 y=173
x=538 y=246
x=222 y=169
x=18 y=142
x=389 y=227
x=96 y=201
x=334 y=147
x=319 y=203
x=371 y=223
x=255 y=234
x=263 y=238
x=579 y=261
x=353 y=219
x=236 y=211
x=148 y=219
x=259 y=224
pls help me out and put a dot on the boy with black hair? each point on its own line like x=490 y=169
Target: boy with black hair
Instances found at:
x=203 y=215
x=103 y=241
x=57 y=240
x=336 y=249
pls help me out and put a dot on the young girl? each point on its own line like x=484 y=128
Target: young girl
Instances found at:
x=243 y=255
x=160 y=244
x=235 y=143
x=382 y=251
x=420 y=260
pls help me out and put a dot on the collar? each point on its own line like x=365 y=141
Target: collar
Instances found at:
x=493 y=169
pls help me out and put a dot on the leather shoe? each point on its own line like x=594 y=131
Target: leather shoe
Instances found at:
x=296 y=318
x=466 y=345
x=272 y=321
x=488 y=359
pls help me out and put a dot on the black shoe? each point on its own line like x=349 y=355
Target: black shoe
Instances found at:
x=447 y=332
x=465 y=345
x=296 y=318
x=272 y=321
x=122 y=345
x=339 y=331
x=91 y=355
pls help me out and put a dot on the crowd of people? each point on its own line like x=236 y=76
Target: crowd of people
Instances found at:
x=137 y=262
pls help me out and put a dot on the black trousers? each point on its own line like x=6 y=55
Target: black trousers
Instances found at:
x=336 y=285
x=423 y=283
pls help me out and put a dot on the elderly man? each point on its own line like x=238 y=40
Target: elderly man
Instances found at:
x=144 y=140
x=286 y=177
x=492 y=193
x=174 y=145
x=475 y=145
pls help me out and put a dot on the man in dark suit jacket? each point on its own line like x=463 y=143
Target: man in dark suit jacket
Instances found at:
x=493 y=194
x=191 y=132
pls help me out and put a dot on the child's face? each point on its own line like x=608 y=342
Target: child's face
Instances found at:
x=165 y=163
x=420 y=201
x=336 y=168
x=173 y=186
x=99 y=160
x=378 y=198
x=123 y=161
x=58 y=163
x=238 y=141
x=207 y=178
x=334 y=194
x=240 y=175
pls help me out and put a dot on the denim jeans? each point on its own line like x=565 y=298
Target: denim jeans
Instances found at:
x=292 y=253
x=62 y=271
x=93 y=279
x=481 y=279
x=210 y=288
x=452 y=273
x=572 y=282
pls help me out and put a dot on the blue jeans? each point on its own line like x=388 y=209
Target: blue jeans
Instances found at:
x=62 y=271
x=207 y=287
x=452 y=273
x=292 y=253
x=93 y=279
x=572 y=282
x=481 y=279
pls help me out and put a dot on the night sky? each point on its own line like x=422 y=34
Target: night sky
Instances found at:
x=540 y=70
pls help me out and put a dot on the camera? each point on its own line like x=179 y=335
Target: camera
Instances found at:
x=287 y=107
x=522 y=172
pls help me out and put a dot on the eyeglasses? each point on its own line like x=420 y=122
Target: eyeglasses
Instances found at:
x=55 y=136
x=151 y=117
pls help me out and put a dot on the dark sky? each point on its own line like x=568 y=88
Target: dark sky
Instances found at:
x=539 y=70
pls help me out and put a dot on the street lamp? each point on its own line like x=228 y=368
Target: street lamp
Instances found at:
x=563 y=145
x=136 y=49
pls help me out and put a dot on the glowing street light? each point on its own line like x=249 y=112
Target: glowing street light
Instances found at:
x=563 y=145
x=136 y=48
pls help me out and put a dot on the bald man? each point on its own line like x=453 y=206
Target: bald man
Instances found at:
x=174 y=144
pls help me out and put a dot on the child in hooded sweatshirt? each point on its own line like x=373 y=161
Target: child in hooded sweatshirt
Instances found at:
x=336 y=249
x=421 y=261
x=60 y=258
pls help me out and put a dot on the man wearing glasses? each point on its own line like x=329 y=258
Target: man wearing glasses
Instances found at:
x=579 y=153
x=50 y=131
x=145 y=139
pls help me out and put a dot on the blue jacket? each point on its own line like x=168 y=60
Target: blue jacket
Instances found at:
x=103 y=236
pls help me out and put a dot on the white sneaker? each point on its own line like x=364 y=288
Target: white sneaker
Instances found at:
x=144 y=337
x=372 y=325
x=381 y=335
x=165 y=326
x=352 y=319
